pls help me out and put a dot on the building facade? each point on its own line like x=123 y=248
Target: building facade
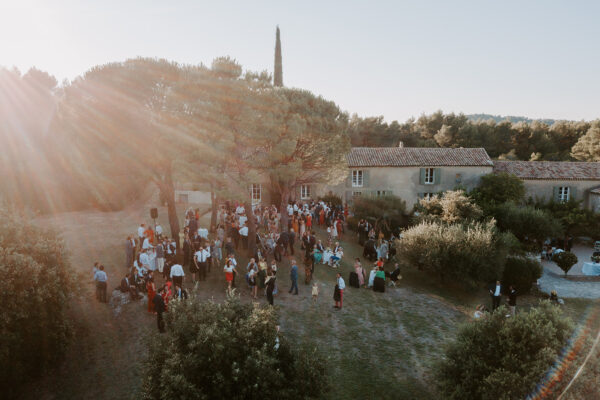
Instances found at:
x=557 y=180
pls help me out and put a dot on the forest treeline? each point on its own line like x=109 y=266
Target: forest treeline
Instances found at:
x=77 y=145
x=561 y=141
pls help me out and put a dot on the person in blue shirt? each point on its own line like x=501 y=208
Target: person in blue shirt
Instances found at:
x=294 y=278
x=101 y=279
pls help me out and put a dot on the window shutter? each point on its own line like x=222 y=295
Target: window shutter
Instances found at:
x=365 y=178
x=437 y=176
x=422 y=176
x=556 y=194
x=572 y=193
x=349 y=180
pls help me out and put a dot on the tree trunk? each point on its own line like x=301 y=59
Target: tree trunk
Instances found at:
x=169 y=192
x=213 y=216
x=285 y=198
x=251 y=229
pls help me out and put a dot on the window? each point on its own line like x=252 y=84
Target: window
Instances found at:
x=429 y=176
x=256 y=192
x=380 y=193
x=563 y=194
x=305 y=192
x=428 y=196
x=357 y=178
x=356 y=194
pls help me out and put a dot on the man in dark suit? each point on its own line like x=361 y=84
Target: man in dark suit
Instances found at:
x=159 y=308
x=292 y=240
x=129 y=252
x=496 y=293
x=128 y=286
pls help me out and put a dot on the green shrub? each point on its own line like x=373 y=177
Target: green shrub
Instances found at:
x=352 y=223
x=502 y=358
x=521 y=272
x=465 y=253
x=565 y=260
x=498 y=189
x=227 y=351
x=530 y=225
x=451 y=207
x=35 y=289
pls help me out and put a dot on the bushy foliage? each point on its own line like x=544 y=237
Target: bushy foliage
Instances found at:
x=521 y=272
x=35 y=289
x=465 y=253
x=332 y=199
x=498 y=189
x=228 y=351
x=502 y=358
x=530 y=225
x=575 y=219
x=386 y=213
x=450 y=207
x=565 y=260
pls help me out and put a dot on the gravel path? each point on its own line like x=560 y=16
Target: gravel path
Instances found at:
x=567 y=288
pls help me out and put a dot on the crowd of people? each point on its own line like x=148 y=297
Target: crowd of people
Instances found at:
x=152 y=257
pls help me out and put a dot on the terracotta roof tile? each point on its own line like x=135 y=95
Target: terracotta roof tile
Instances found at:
x=550 y=170
x=416 y=156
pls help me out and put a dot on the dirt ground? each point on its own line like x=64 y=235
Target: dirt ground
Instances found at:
x=380 y=345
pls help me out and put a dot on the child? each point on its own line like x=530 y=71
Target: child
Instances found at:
x=315 y=292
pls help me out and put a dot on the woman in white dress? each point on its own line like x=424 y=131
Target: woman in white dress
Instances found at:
x=372 y=276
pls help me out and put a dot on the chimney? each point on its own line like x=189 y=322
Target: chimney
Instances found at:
x=401 y=144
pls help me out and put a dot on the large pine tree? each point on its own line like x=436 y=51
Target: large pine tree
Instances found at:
x=278 y=73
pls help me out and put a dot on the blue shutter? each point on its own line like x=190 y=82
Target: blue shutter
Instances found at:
x=437 y=176
x=422 y=176
x=365 y=174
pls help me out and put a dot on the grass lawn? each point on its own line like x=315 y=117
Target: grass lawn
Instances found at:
x=379 y=346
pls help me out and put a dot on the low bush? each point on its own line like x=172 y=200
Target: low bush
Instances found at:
x=502 y=358
x=565 y=260
x=36 y=286
x=521 y=272
x=332 y=199
x=229 y=350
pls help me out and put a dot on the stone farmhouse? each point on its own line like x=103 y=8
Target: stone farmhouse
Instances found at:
x=413 y=173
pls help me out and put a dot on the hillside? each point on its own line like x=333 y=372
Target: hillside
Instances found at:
x=511 y=118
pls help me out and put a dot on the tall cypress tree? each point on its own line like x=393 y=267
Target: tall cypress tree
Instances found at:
x=278 y=73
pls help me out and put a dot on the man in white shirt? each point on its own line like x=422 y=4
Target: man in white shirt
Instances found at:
x=243 y=218
x=239 y=210
x=290 y=210
x=144 y=259
x=244 y=235
x=146 y=244
x=496 y=293
x=159 y=232
x=341 y=286
x=177 y=274
x=200 y=258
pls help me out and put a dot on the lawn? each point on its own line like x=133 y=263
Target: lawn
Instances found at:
x=380 y=345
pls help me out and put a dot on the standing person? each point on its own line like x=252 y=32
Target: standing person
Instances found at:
x=229 y=269
x=129 y=252
x=141 y=236
x=160 y=258
x=187 y=250
x=340 y=286
x=252 y=278
x=244 y=236
x=201 y=259
x=179 y=293
x=159 y=232
x=151 y=289
x=270 y=282
x=159 y=308
x=177 y=274
x=360 y=272
x=101 y=281
x=315 y=292
x=512 y=300
x=294 y=278
x=496 y=293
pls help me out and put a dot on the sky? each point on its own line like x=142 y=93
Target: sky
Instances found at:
x=399 y=59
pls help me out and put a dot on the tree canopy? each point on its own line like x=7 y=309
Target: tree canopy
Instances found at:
x=229 y=350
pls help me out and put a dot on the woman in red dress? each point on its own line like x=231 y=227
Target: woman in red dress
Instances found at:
x=167 y=294
x=308 y=222
x=229 y=271
x=151 y=292
x=322 y=217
